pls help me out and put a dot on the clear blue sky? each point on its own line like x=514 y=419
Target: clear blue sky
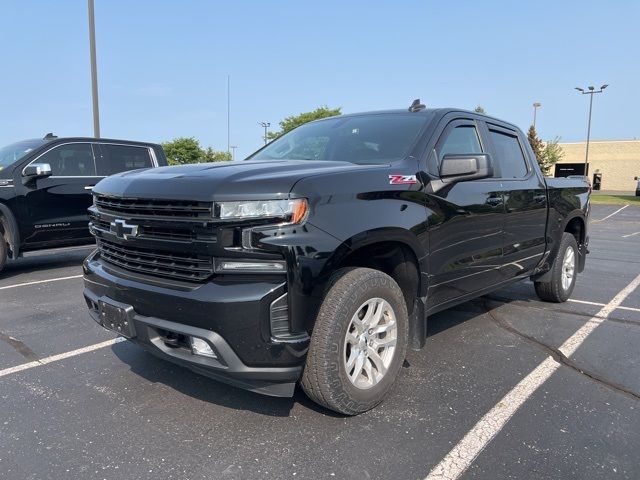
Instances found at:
x=163 y=65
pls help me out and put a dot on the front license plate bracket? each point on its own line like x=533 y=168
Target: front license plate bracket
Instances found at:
x=116 y=316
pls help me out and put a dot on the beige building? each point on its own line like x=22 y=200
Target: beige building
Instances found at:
x=618 y=161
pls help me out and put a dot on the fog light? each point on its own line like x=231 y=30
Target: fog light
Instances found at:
x=201 y=347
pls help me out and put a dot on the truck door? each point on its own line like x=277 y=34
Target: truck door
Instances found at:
x=525 y=197
x=57 y=206
x=465 y=222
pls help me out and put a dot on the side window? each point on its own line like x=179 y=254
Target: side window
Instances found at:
x=73 y=160
x=509 y=154
x=121 y=158
x=462 y=139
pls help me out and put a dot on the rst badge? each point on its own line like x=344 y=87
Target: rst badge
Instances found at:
x=402 y=180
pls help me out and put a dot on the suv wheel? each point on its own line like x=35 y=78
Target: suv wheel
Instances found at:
x=3 y=252
x=563 y=273
x=359 y=342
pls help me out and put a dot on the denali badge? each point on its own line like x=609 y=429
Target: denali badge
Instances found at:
x=402 y=179
x=123 y=230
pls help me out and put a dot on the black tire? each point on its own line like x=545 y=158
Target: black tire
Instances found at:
x=553 y=290
x=3 y=251
x=325 y=379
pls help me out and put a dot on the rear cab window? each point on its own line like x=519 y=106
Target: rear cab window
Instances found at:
x=122 y=158
x=508 y=152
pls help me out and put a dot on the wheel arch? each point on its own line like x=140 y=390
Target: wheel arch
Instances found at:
x=10 y=230
x=399 y=254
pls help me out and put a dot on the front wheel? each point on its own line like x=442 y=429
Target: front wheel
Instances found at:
x=563 y=274
x=358 y=343
x=3 y=252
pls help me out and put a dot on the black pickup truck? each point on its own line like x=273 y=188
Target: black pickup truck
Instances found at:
x=319 y=258
x=45 y=188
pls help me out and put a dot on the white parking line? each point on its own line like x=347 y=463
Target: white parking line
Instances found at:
x=611 y=215
x=60 y=356
x=596 y=304
x=456 y=462
x=630 y=235
x=39 y=281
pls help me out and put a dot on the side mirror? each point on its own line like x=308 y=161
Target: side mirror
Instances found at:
x=464 y=167
x=37 y=170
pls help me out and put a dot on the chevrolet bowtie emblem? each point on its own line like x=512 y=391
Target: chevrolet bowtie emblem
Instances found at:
x=123 y=230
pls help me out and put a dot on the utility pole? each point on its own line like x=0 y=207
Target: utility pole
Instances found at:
x=590 y=91
x=94 y=70
x=228 y=112
x=536 y=105
x=265 y=125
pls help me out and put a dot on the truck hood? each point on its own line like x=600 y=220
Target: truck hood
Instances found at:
x=241 y=180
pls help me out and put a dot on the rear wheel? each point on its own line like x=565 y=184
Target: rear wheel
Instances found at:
x=359 y=342
x=563 y=274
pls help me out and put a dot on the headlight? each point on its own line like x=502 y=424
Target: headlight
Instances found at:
x=289 y=211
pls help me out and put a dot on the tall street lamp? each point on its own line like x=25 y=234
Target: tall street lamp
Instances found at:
x=94 y=70
x=589 y=91
x=536 y=105
x=265 y=125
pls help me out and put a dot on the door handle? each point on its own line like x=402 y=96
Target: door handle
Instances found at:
x=89 y=187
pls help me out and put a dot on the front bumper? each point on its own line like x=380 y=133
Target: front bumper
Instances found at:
x=231 y=315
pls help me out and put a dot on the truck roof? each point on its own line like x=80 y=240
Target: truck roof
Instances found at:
x=429 y=112
x=98 y=139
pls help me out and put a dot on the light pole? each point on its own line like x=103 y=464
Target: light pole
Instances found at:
x=94 y=71
x=233 y=151
x=265 y=125
x=228 y=112
x=536 y=105
x=590 y=91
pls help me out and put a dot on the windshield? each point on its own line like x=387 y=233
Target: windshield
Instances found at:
x=14 y=152
x=366 y=139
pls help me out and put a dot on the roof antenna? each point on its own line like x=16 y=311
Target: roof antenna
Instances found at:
x=50 y=136
x=416 y=106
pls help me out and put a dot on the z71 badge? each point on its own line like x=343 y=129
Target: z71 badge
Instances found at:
x=402 y=179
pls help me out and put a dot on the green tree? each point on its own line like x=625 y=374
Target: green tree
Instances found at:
x=211 y=155
x=552 y=154
x=479 y=109
x=187 y=150
x=537 y=146
x=182 y=150
x=294 y=121
x=547 y=154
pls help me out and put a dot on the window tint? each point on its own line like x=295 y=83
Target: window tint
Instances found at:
x=363 y=139
x=307 y=148
x=74 y=160
x=509 y=156
x=120 y=158
x=461 y=140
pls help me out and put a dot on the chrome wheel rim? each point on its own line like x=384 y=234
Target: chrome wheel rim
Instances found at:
x=370 y=343
x=568 y=268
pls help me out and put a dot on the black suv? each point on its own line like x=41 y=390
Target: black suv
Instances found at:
x=45 y=187
x=320 y=257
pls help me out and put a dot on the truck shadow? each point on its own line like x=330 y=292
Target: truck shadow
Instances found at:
x=157 y=370
x=39 y=262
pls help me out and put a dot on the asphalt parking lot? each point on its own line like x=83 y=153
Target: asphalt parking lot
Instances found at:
x=507 y=387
